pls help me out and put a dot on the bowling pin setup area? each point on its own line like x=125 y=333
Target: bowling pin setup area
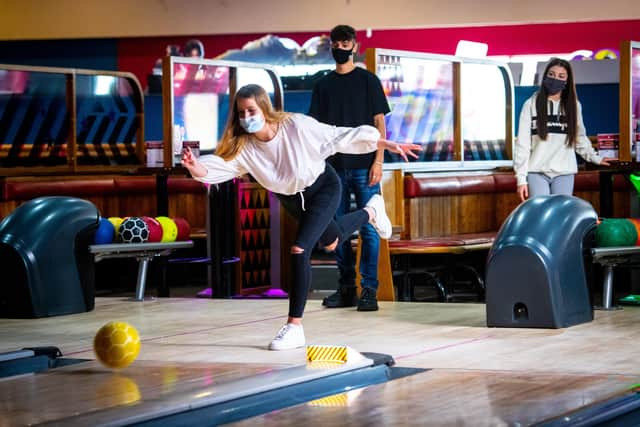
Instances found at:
x=535 y=354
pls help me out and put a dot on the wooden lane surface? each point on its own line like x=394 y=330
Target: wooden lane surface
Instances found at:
x=90 y=394
x=443 y=337
x=174 y=330
x=422 y=335
x=452 y=398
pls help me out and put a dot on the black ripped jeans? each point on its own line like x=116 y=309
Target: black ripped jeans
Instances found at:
x=315 y=210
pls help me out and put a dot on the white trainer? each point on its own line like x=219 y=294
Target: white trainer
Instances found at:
x=290 y=336
x=380 y=220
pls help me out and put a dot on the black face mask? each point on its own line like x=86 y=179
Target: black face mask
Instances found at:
x=553 y=86
x=341 y=56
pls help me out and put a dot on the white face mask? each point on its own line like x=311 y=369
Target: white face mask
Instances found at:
x=252 y=124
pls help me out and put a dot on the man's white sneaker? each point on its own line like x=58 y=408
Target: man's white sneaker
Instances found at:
x=290 y=336
x=380 y=220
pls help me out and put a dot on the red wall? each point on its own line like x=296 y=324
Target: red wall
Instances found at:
x=512 y=39
x=139 y=54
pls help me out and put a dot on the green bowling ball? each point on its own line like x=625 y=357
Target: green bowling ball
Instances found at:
x=616 y=232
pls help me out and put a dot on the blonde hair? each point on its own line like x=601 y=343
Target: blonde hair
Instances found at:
x=234 y=137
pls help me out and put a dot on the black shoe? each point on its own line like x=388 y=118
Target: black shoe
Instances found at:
x=368 y=300
x=343 y=297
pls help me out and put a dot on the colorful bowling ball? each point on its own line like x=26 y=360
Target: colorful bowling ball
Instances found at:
x=184 y=228
x=155 y=229
x=105 y=232
x=133 y=230
x=116 y=344
x=169 y=229
x=616 y=232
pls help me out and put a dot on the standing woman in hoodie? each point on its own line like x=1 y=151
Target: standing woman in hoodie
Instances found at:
x=286 y=154
x=551 y=131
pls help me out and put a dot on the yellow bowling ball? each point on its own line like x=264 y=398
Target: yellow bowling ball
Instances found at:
x=169 y=229
x=116 y=344
x=116 y=221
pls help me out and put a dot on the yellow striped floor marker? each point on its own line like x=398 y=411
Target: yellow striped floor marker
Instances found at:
x=327 y=353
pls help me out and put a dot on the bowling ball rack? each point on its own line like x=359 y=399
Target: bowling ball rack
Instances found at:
x=609 y=258
x=143 y=252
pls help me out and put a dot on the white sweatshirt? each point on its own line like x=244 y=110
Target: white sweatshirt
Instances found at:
x=552 y=157
x=294 y=158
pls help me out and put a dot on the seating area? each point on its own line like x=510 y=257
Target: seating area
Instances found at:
x=445 y=223
x=449 y=224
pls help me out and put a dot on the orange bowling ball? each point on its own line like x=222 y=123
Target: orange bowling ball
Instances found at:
x=636 y=224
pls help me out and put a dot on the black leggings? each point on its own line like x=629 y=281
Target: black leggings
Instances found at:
x=315 y=210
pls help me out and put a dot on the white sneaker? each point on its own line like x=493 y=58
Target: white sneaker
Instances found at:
x=290 y=336
x=380 y=220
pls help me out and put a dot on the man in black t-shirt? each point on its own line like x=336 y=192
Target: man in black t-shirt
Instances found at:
x=352 y=96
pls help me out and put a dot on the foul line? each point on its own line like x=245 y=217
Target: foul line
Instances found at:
x=444 y=347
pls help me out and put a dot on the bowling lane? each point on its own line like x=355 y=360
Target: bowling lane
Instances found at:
x=90 y=394
x=454 y=398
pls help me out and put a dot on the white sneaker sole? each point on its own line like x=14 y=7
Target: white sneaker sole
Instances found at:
x=382 y=222
x=279 y=347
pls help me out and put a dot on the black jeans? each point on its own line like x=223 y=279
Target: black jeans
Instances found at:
x=315 y=210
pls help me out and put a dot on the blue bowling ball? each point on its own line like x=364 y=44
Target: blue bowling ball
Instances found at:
x=105 y=232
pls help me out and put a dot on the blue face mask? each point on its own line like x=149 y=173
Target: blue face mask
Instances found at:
x=252 y=124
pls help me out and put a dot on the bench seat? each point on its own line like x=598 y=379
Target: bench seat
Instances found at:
x=460 y=243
